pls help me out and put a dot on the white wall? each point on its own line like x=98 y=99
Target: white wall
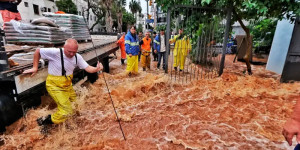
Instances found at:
x=81 y=8
x=280 y=46
x=27 y=13
x=237 y=29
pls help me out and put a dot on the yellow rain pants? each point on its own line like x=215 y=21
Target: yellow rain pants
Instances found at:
x=146 y=59
x=181 y=50
x=61 y=90
x=132 y=64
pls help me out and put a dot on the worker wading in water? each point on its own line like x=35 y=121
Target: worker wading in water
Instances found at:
x=121 y=43
x=181 y=50
x=146 y=50
x=62 y=62
x=132 y=51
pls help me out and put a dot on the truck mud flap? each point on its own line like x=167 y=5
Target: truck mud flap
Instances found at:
x=10 y=111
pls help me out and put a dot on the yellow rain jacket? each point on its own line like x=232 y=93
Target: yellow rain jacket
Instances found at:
x=181 y=50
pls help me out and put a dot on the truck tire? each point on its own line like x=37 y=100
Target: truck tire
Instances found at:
x=10 y=111
x=92 y=77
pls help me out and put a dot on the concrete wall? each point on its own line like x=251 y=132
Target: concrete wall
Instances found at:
x=280 y=46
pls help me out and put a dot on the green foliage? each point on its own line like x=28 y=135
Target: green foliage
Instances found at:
x=66 y=6
x=135 y=7
x=139 y=28
x=263 y=32
x=243 y=10
x=247 y=9
x=159 y=27
x=128 y=19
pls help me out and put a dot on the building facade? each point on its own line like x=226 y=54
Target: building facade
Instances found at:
x=82 y=6
x=32 y=9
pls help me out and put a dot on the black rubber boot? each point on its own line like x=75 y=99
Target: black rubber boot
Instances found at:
x=175 y=68
x=46 y=121
x=44 y=124
x=249 y=72
x=123 y=61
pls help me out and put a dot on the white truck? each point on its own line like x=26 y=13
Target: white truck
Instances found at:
x=19 y=92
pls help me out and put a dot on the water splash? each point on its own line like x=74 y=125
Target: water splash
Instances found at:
x=234 y=111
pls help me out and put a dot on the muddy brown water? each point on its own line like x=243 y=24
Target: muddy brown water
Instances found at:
x=234 y=111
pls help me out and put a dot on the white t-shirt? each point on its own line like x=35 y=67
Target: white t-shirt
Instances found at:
x=162 y=43
x=54 y=66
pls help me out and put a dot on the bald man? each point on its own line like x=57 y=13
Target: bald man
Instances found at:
x=62 y=62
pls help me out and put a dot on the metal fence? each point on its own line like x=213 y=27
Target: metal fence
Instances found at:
x=199 y=52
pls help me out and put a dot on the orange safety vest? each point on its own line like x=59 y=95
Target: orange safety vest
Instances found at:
x=146 y=44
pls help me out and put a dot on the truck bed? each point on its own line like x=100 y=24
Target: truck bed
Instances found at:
x=23 y=54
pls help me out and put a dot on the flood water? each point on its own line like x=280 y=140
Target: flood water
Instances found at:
x=234 y=111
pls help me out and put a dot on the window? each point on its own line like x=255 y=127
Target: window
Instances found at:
x=79 y=13
x=49 y=9
x=36 y=9
x=95 y=18
x=91 y=17
x=26 y=4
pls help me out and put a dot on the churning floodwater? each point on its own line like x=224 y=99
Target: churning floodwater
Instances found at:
x=234 y=111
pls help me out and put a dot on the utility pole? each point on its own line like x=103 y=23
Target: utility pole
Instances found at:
x=147 y=24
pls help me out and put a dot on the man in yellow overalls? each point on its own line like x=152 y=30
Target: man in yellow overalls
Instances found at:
x=146 y=50
x=62 y=63
x=181 y=50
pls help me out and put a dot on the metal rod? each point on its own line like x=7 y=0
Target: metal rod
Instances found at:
x=112 y=102
x=168 y=36
x=202 y=51
x=210 y=49
x=205 y=50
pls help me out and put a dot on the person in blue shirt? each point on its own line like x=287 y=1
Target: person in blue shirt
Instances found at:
x=160 y=42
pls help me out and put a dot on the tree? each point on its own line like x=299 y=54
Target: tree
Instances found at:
x=66 y=6
x=128 y=20
x=119 y=5
x=246 y=10
x=100 y=13
x=160 y=27
x=107 y=6
x=263 y=32
x=135 y=7
x=139 y=28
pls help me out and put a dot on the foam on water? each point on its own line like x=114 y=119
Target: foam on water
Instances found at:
x=233 y=111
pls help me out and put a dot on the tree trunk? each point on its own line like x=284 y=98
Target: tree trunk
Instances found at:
x=120 y=20
x=97 y=22
x=248 y=41
x=109 y=21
